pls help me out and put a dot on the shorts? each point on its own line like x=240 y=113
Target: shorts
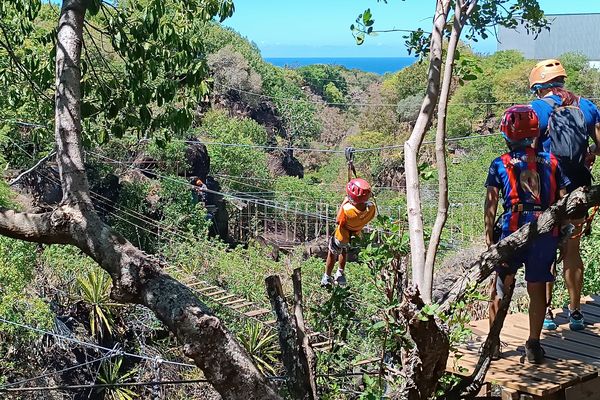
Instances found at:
x=336 y=247
x=539 y=258
x=578 y=176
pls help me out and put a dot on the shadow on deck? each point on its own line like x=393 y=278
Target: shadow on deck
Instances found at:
x=570 y=371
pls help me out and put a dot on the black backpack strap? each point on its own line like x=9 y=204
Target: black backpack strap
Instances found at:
x=550 y=101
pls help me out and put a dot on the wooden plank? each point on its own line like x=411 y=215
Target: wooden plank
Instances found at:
x=256 y=313
x=366 y=362
x=198 y=283
x=216 y=292
x=242 y=305
x=587 y=390
x=271 y=322
x=509 y=394
x=527 y=378
x=229 y=296
x=234 y=302
x=204 y=289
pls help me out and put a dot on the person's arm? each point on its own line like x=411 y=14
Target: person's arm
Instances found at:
x=490 y=207
x=562 y=192
x=595 y=147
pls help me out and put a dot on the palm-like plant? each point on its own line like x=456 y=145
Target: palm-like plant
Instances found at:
x=261 y=345
x=110 y=373
x=95 y=290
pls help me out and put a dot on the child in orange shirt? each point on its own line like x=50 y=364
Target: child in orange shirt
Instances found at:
x=354 y=214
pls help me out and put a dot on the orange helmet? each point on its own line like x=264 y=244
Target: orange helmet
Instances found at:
x=520 y=123
x=358 y=190
x=545 y=71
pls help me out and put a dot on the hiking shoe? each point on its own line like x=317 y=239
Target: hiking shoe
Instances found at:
x=534 y=351
x=576 y=320
x=549 y=323
x=340 y=278
x=496 y=352
x=326 y=281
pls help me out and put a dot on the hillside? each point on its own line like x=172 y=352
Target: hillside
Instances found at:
x=269 y=144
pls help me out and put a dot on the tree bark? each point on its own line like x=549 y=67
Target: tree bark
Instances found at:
x=574 y=205
x=462 y=12
x=67 y=117
x=309 y=360
x=424 y=361
x=136 y=277
x=295 y=361
x=413 y=145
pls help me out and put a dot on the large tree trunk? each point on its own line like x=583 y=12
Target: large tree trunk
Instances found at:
x=462 y=11
x=413 y=145
x=137 y=277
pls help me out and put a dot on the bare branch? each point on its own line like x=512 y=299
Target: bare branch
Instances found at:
x=30 y=170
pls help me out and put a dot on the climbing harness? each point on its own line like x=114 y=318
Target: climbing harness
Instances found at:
x=349 y=153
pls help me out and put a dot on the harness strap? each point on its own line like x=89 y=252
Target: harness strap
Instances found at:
x=349 y=152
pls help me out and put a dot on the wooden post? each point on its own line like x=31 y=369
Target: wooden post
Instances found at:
x=256 y=220
x=265 y=227
x=286 y=222
x=294 y=359
x=295 y=221
x=305 y=221
x=307 y=356
x=275 y=216
x=316 y=221
x=327 y=220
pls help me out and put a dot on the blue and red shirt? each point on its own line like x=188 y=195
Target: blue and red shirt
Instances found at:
x=543 y=111
x=529 y=178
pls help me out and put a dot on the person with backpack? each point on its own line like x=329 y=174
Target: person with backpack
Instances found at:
x=355 y=212
x=567 y=122
x=529 y=181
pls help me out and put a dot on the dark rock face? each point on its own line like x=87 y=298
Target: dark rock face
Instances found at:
x=197 y=159
x=42 y=186
x=282 y=163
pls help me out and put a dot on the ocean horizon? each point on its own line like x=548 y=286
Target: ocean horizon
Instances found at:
x=378 y=65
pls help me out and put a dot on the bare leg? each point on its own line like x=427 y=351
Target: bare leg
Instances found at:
x=329 y=264
x=496 y=297
x=342 y=260
x=537 y=308
x=573 y=272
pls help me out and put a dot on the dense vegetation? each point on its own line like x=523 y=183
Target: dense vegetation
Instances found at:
x=140 y=182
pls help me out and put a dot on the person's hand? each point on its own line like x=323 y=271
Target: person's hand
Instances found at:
x=590 y=158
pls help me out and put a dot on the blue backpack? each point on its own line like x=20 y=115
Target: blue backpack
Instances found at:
x=568 y=133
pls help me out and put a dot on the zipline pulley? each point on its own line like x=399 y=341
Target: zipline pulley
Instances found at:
x=349 y=152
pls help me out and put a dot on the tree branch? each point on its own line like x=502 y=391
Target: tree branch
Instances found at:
x=413 y=145
x=574 y=205
x=48 y=228
x=30 y=170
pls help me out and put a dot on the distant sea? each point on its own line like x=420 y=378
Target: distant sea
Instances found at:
x=378 y=65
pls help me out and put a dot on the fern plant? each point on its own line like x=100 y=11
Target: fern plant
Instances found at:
x=110 y=374
x=95 y=291
x=261 y=344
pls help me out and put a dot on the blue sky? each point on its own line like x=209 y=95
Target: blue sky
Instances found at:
x=320 y=28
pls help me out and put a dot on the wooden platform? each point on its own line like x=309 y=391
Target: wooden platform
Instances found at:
x=572 y=358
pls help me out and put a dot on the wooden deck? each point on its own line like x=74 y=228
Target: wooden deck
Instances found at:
x=572 y=358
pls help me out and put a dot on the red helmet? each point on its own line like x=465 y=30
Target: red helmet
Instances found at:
x=520 y=123
x=358 y=190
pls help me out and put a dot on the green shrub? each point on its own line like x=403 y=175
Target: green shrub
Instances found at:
x=236 y=161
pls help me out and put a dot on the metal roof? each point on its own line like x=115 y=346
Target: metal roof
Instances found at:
x=568 y=33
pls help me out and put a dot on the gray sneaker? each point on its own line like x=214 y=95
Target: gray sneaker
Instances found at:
x=326 y=281
x=339 y=278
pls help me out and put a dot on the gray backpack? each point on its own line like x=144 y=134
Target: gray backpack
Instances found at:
x=568 y=132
